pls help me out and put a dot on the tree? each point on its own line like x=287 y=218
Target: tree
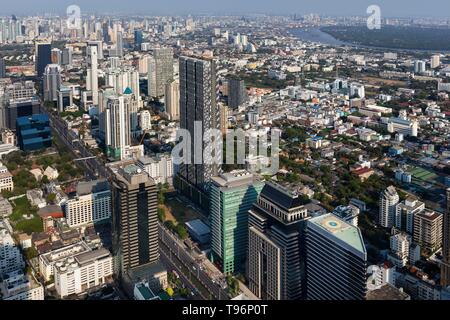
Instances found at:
x=51 y=197
x=161 y=215
x=45 y=180
x=170 y=292
x=181 y=231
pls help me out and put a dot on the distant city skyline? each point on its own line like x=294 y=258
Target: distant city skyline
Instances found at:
x=401 y=8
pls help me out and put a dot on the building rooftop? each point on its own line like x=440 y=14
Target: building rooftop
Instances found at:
x=198 y=227
x=387 y=292
x=341 y=230
x=281 y=196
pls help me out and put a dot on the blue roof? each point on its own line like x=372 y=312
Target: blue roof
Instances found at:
x=128 y=91
x=198 y=227
x=34 y=118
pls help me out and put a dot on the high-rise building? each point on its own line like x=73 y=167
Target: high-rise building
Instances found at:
x=92 y=74
x=65 y=98
x=232 y=196
x=135 y=219
x=43 y=57
x=435 y=61
x=336 y=260
x=119 y=44
x=11 y=257
x=388 y=201
x=138 y=38
x=2 y=68
x=52 y=82
x=223 y=109
x=404 y=213
x=117 y=127
x=428 y=229
x=56 y=56
x=160 y=71
x=237 y=93
x=420 y=66
x=145 y=120
x=172 y=100
x=445 y=269
x=66 y=56
x=198 y=112
x=91 y=204
x=99 y=45
x=276 y=245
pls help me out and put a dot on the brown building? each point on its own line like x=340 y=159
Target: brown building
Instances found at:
x=445 y=274
x=428 y=229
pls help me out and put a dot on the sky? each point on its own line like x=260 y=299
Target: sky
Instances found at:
x=389 y=8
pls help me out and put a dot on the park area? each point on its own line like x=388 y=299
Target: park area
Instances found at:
x=179 y=212
x=24 y=217
x=423 y=175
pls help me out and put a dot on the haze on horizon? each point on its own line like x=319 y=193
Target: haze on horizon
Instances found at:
x=389 y=8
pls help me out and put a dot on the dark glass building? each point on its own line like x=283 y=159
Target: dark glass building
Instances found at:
x=138 y=38
x=134 y=219
x=33 y=133
x=237 y=93
x=43 y=57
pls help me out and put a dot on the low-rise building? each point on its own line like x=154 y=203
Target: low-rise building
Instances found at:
x=6 y=180
x=78 y=273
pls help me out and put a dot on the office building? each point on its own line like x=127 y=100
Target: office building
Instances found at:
x=52 y=82
x=159 y=167
x=19 y=100
x=428 y=228
x=16 y=286
x=388 y=201
x=78 y=273
x=276 y=245
x=65 y=98
x=43 y=57
x=92 y=204
x=404 y=213
x=336 y=260
x=172 y=100
x=117 y=127
x=231 y=197
x=198 y=107
x=224 y=111
x=34 y=133
x=135 y=219
x=66 y=56
x=237 y=93
x=11 y=257
x=2 y=68
x=92 y=74
x=119 y=44
x=97 y=44
x=138 y=38
x=445 y=269
x=160 y=71
x=6 y=179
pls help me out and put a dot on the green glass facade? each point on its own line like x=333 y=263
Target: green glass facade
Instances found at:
x=229 y=224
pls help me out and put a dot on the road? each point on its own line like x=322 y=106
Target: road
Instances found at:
x=93 y=165
x=95 y=169
x=178 y=248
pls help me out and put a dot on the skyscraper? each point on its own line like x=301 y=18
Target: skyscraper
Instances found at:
x=336 y=261
x=445 y=269
x=2 y=68
x=66 y=56
x=43 y=57
x=134 y=219
x=276 y=245
x=52 y=82
x=160 y=68
x=92 y=74
x=172 y=100
x=237 y=93
x=232 y=195
x=119 y=44
x=117 y=127
x=388 y=201
x=138 y=38
x=198 y=96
